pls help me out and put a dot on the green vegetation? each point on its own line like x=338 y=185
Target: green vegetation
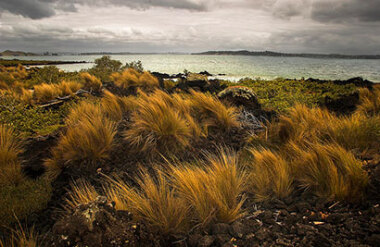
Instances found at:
x=19 y=201
x=282 y=94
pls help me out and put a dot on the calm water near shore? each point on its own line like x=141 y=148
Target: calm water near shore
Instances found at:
x=236 y=67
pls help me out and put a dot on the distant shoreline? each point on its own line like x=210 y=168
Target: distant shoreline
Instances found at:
x=15 y=62
x=278 y=54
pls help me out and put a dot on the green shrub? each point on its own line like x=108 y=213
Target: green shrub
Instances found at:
x=18 y=202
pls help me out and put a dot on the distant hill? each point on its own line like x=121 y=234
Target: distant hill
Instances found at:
x=278 y=54
x=16 y=53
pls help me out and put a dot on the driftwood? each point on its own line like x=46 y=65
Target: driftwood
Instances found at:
x=60 y=100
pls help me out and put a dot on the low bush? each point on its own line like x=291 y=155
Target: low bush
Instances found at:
x=19 y=201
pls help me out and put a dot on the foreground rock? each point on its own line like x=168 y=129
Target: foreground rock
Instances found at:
x=98 y=224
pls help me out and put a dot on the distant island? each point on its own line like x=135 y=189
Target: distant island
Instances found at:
x=16 y=53
x=279 y=54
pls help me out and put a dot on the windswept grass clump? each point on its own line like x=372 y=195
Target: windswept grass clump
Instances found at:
x=213 y=113
x=173 y=201
x=329 y=171
x=303 y=124
x=88 y=139
x=132 y=78
x=369 y=101
x=80 y=193
x=270 y=175
x=10 y=149
x=91 y=82
x=44 y=92
x=156 y=202
x=114 y=107
x=214 y=189
x=161 y=123
x=21 y=238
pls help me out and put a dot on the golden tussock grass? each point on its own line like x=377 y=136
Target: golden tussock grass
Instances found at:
x=91 y=82
x=304 y=124
x=270 y=175
x=155 y=202
x=115 y=107
x=83 y=110
x=21 y=238
x=161 y=123
x=68 y=87
x=213 y=113
x=213 y=190
x=329 y=171
x=357 y=131
x=10 y=149
x=132 y=78
x=81 y=192
x=46 y=92
x=89 y=140
x=369 y=101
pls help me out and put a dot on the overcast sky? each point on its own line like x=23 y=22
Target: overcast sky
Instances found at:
x=318 y=26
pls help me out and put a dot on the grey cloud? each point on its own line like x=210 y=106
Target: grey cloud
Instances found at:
x=33 y=9
x=38 y=9
x=338 y=11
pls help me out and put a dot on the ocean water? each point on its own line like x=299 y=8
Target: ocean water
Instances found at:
x=236 y=67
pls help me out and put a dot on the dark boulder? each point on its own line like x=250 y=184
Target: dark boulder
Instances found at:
x=240 y=96
x=99 y=224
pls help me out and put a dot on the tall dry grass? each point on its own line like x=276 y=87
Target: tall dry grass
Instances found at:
x=10 y=149
x=46 y=92
x=161 y=123
x=369 y=101
x=270 y=175
x=91 y=82
x=87 y=140
x=22 y=238
x=132 y=78
x=304 y=124
x=81 y=192
x=115 y=107
x=329 y=171
x=214 y=189
x=156 y=202
x=213 y=113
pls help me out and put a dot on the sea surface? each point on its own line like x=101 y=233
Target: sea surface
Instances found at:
x=236 y=67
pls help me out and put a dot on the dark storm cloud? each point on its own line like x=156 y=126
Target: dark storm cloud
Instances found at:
x=33 y=9
x=338 y=10
x=38 y=9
